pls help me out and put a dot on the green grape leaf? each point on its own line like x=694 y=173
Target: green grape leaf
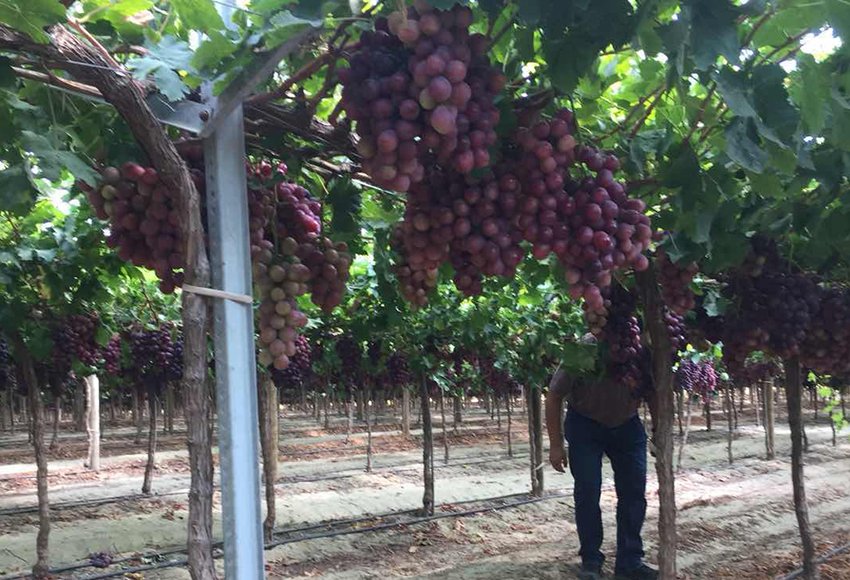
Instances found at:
x=741 y=145
x=733 y=87
x=811 y=91
x=32 y=16
x=162 y=62
x=713 y=32
x=52 y=160
x=198 y=15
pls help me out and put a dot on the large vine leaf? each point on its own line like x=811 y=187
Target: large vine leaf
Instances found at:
x=742 y=147
x=32 y=16
x=199 y=15
x=162 y=62
x=713 y=31
x=53 y=159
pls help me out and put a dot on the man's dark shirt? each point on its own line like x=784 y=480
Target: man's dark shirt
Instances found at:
x=603 y=400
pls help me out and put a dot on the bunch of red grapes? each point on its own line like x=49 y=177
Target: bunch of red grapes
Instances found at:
x=676 y=330
x=498 y=380
x=416 y=278
x=350 y=353
x=698 y=378
x=420 y=87
x=675 y=281
x=279 y=281
x=291 y=258
x=754 y=373
x=144 y=220
x=609 y=230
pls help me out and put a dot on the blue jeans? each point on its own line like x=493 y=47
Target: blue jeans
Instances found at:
x=625 y=446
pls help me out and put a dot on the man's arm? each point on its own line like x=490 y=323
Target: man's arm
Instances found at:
x=559 y=388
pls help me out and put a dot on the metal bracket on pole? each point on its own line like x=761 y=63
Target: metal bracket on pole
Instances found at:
x=245 y=83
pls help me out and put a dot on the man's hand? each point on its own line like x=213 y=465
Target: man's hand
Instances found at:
x=558 y=457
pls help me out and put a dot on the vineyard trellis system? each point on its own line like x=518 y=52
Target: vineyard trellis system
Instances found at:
x=457 y=110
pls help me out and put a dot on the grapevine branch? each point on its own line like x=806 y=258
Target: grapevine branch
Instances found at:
x=301 y=74
x=702 y=108
x=641 y=101
x=640 y=123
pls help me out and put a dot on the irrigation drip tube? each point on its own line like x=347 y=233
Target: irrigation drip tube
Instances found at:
x=819 y=560
x=350 y=529
x=328 y=530
x=97 y=502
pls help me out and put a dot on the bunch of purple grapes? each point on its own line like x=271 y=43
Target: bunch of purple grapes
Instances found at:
x=153 y=353
x=350 y=353
x=676 y=330
x=174 y=366
x=111 y=355
x=621 y=334
x=699 y=378
x=609 y=230
x=6 y=368
x=100 y=559
x=299 y=366
x=398 y=370
x=80 y=337
x=826 y=348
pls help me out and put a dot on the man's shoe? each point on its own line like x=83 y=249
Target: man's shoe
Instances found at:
x=642 y=572
x=590 y=571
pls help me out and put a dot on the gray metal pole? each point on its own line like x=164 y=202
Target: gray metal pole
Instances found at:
x=238 y=427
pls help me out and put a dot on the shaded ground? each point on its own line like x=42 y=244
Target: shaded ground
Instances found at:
x=734 y=521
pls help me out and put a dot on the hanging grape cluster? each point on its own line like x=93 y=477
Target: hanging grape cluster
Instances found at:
x=774 y=306
x=111 y=355
x=826 y=348
x=299 y=366
x=398 y=370
x=500 y=381
x=290 y=258
x=675 y=281
x=676 y=330
x=7 y=371
x=698 y=378
x=421 y=89
x=156 y=357
x=754 y=373
x=144 y=220
x=80 y=332
x=621 y=335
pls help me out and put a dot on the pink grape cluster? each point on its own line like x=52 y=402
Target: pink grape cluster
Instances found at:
x=144 y=220
x=609 y=230
x=420 y=87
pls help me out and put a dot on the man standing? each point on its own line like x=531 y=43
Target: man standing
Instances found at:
x=602 y=418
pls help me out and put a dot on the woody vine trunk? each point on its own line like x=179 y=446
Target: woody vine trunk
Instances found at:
x=662 y=374
x=64 y=50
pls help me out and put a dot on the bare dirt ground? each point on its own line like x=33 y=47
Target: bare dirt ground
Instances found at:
x=735 y=521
